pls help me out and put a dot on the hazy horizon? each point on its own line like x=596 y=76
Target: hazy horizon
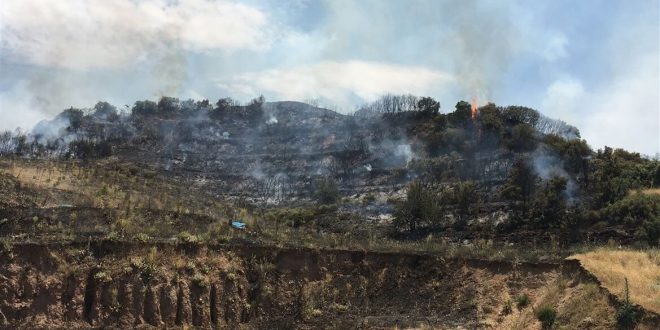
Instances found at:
x=593 y=64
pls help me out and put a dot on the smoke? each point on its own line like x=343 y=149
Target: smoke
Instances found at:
x=405 y=151
x=271 y=120
x=256 y=171
x=484 y=40
x=548 y=165
x=47 y=131
x=170 y=71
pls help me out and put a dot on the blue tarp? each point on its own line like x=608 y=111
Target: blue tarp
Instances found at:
x=238 y=224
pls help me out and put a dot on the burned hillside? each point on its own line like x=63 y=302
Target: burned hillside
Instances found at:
x=397 y=163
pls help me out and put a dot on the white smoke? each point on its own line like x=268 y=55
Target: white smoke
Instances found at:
x=405 y=151
x=272 y=120
x=547 y=165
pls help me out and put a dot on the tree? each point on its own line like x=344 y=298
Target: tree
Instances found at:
x=514 y=115
x=144 y=108
x=519 y=189
x=224 y=104
x=521 y=182
x=327 y=191
x=549 y=207
x=105 y=111
x=428 y=106
x=462 y=115
x=168 y=105
x=256 y=103
x=521 y=138
x=465 y=196
x=419 y=207
x=74 y=116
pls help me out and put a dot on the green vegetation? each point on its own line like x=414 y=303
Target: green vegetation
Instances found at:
x=626 y=315
x=522 y=301
x=327 y=191
x=546 y=315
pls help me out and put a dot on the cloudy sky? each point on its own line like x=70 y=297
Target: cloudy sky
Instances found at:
x=592 y=63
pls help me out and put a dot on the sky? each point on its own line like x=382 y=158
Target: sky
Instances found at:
x=592 y=63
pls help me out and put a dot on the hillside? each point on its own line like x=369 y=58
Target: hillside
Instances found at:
x=504 y=173
x=124 y=218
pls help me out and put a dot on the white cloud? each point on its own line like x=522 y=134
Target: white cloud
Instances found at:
x=555 y=47
x=82 y=34
x=562 y=99
x=622 y=113
x=338 y=82
x=17 y=109
x=626 y=113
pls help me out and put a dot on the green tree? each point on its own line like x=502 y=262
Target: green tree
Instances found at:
x=514 y=115
x=465 y=196
x=521 y=138
x=418 y=208
x=462 y=115
x=105 y=110
x=74 y=116
x=549 y=207
x=428 y=106
x=168 y=105
x=521 y=184
x=144 y=108
x=327 y=191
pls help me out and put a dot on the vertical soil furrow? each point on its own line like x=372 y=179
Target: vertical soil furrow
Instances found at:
x=213 y=304
x=152 y=313
x=90 y=298
x=169 y=304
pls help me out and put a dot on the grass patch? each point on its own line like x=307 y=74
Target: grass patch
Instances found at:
x=642 y=268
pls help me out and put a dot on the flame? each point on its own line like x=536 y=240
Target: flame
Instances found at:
x=474 y=108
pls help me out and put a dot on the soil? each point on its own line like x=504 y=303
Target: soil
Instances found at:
x=119 y=285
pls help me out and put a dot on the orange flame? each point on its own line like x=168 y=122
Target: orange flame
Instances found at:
x=474 y=108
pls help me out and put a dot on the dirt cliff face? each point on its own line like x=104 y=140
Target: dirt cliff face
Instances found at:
x=123 y=286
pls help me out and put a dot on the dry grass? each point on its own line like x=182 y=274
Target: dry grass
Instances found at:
x=650 y=191
x=642 y=268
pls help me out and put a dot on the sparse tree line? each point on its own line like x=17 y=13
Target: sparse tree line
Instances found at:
x=607 y=195
x=392 y=104
x=91 y=133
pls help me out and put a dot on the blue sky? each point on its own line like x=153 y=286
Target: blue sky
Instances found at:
x=592 y=63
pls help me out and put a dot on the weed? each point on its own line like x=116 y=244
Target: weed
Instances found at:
x=547 y=316
x=522 y=301
x=187 y=238
x=508 y=307
x=626 y=316
x=102 y=277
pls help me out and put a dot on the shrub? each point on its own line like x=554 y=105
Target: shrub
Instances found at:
x=142 y=238
x=420 y=207
x=199 y=280
x=188 y=238
x=522 y=301
x=546 y=315
x=626 y=316
x=507 y=307
x=102 y=277
x=327 y=191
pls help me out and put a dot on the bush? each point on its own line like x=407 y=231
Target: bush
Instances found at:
x=507 y=307
x=546 y=315
x=626 y=316
x=522 y=301
x=327 y=191
x=420 y=207
x=188 y=238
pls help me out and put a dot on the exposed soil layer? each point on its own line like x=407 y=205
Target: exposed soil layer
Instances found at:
x=117 y=285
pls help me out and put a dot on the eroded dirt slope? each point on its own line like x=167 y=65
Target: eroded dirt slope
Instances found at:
x=118 y=285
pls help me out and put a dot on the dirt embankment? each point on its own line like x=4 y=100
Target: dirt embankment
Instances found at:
x=122 y=286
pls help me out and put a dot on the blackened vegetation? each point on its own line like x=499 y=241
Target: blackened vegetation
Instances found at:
x=503 y=171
